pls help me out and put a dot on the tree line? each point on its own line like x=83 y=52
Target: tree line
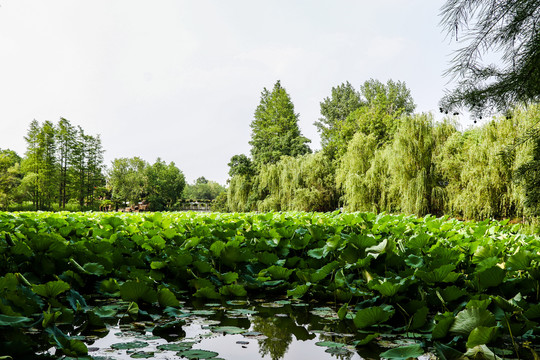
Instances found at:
x=378 y=155
x=63 y=169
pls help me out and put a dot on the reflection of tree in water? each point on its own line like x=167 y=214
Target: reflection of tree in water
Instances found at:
x=338 y=339
x=279 y=335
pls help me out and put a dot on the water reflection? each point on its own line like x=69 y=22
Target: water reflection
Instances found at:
x=276 y=331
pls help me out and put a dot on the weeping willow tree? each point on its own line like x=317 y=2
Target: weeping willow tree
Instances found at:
x=401 y=176
x=480 y=180
x=303 y=183
x=359 y=192
x=240 y=194
x=418 y=181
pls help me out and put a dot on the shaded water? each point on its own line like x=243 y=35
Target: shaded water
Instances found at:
x=240 y=330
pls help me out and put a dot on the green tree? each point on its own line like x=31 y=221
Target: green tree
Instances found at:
x=375 y=109
x=39 y=164
x=165 y=184
x=302 y=183
x=203 y=189
x=10 y=177
x=241 y=165
x=127 y=180
x=335 y=111
x=497 y=67
x=274 y=130
x=65 y=137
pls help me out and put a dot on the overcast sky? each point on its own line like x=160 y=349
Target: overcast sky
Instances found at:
x=180 y=80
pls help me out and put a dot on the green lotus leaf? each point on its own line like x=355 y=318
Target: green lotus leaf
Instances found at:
x=207 y=292
x=94 y=269
x=133 y=290
x=172 y=327
x=217 y=247
x=452 y=293
x=108 y=311
x=318 y=253
x=267 y=258
x=298 y=291
x=469 y=319
x=181 y=259
x=181 y=346
x=445 y=352
x=142 y=355
x=156 y=265
x=228 y=329
x=403 y=352
x=418 y=241
x=481 y=335
x=442 y=326
x=197 y=354
x=323 y=272
x=170 y=233
x=166 y=298
x=414 y=261
x=363 y=241
x=342 y=312
x=366 y=340
x=329 y=344
x=533 y=312
x=233 y=290
x=386 y=288
x=278 y=272
x=506 y=305
x=13 y=321
x=440 y=274
x=419 y=318
x=371 y=316
x=229 y=277
x=378 y=249
x=481 y=352
x=51 y=289
x=519 y=261
x=109 y=286
x=129 y=345
x=491 y=277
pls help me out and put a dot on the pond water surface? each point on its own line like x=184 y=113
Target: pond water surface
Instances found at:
x=241 y=330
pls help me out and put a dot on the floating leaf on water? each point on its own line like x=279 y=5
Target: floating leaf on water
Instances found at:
x=329 y=344
x=272 y=305
x=403 y=353
x=197 y=354
x=254 y=335
x=238 y=302
x=213 y=305
x=283 y=302
x=338 y=351
x=203 y=312
x=242 y=342
x=142 y=355
x=325 y=312
x=366 y=340
x=14 y=321
x=175 y=346
x=129 y=345
x=241 y=312
x=229 y=329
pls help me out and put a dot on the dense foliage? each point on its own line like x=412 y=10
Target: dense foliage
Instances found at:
x=274 y=129
x=461 y=287
x=497 y=68
x=62 y=165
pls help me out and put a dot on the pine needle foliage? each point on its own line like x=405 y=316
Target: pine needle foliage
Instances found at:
x=497 y=67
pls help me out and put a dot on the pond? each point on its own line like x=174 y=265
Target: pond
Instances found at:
x=239 y=330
